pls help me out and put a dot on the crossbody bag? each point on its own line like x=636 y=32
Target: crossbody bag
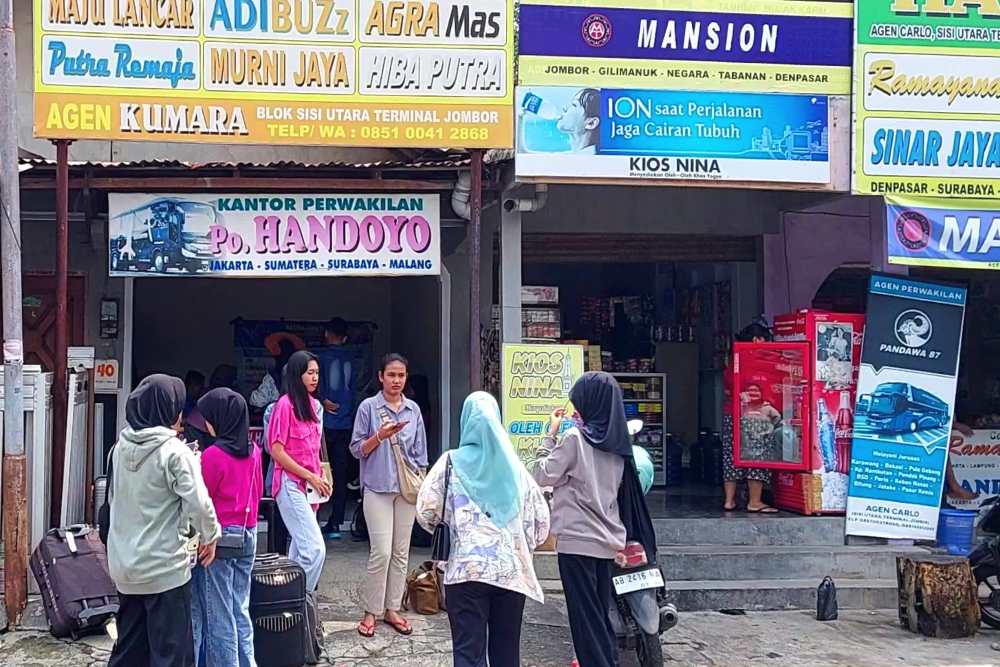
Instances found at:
x=232 y=545
x=410 y=478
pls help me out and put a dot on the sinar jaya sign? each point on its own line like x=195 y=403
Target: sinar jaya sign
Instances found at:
x=325 y=72
x=273 y=235
x=926 y=98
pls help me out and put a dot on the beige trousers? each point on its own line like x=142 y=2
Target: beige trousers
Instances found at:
x=390 y=526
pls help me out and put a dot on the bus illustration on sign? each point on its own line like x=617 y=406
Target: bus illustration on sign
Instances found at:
x=897 y=407
x=163 y=234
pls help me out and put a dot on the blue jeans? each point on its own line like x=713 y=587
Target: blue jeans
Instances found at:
x=308 y=548
x=223 y=631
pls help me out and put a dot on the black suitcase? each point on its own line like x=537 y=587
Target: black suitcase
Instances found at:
x=71 y=568
x=285 y=627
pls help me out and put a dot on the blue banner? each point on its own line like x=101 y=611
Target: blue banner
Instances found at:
x=667 y=134
x=905 y=407
x=964 y=234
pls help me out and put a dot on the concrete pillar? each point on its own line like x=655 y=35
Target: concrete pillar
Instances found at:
x=510 y=274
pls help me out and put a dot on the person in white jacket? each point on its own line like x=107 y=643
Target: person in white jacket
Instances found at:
x=160 y=513
x=497 y=516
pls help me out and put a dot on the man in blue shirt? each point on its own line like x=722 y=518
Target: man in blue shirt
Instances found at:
x=336 y=392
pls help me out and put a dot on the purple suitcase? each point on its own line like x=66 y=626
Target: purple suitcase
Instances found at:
x=71 y=568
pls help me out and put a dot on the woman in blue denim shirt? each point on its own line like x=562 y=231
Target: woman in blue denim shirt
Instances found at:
x=382 y=422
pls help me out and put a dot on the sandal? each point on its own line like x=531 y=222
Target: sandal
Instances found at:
x=763 y=509
x=366 y=629
x=403 y=627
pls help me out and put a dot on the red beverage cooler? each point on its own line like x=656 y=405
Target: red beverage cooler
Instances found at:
x=770 y=406
x=834 y=351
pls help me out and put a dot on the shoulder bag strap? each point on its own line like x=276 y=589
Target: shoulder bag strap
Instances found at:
x=447 y=485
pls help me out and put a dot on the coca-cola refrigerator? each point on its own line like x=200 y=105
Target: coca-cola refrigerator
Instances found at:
x=770 y=406
x=834 y=353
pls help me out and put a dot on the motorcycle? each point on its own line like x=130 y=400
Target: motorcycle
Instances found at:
x=985 y=563
x=640 y=612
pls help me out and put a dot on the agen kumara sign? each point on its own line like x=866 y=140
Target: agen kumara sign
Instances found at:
x=906 y=400
x=962 y=233
x=423 y=73
x=737 y=45
x=535 y=381
x=926 y=98
x=273 y=235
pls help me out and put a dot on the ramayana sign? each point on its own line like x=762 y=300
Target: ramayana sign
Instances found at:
x=274 y=235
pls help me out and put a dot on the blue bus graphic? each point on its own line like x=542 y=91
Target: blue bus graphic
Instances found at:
x=163 y=234
x=897 y=407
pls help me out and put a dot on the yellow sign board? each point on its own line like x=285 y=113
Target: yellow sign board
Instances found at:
x=536 y=381
x=414 y=73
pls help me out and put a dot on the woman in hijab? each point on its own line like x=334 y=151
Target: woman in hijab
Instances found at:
x=597 y=506
x=223 y=632
x=497 y=515
x=157 y=497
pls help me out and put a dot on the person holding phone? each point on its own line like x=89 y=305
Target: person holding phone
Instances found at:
x=295 y=434
x=385 y=421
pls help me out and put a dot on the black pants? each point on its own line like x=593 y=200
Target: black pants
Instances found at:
x=587 y=584
x=154 y=630
x=344 y=468
x=485 y=621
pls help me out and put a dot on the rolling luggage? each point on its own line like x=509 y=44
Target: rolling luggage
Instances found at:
x=71 y=568
x=284 y=618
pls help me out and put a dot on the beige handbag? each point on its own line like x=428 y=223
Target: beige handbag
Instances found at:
x=410 y=479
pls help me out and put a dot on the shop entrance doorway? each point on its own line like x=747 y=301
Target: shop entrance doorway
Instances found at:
x=198 y=324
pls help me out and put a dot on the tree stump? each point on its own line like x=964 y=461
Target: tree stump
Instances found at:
x=937 y=596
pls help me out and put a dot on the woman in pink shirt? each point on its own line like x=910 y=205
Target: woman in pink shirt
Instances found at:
x=230 y=464
x=294 y=434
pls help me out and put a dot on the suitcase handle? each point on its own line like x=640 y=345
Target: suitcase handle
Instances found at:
x=90 y=612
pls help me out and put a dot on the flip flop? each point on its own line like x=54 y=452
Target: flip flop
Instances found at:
x=766 y=509
x=404 y=628
x=366 y=629
x=729 y=509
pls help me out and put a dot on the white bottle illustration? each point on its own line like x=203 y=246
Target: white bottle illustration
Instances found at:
x=540 y=107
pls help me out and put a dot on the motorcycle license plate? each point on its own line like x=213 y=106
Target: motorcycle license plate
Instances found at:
x=638 y=581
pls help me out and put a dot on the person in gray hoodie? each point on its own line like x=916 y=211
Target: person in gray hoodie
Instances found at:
x=597 y=507
x=160 y=513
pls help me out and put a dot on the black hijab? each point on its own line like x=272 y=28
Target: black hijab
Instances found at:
x=598 y=398
x=226 y=411
x=157 y=401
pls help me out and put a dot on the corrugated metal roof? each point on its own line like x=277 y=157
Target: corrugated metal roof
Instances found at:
x=446 y=161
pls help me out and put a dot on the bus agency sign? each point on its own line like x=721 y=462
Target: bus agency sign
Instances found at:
x=926 y=98
x=422 y=73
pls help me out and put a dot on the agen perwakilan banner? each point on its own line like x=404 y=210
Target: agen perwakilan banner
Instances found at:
x=955 y=232
x=421 y=73
x=737 y=45
x=600 y=133
x=535 y=381
x=927 y=98
x=905 y=407
x=255 y=235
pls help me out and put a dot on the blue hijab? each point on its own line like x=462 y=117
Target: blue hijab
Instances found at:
x=485 y=460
